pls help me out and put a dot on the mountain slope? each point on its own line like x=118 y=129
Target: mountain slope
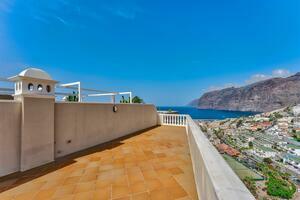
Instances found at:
x=262 y=96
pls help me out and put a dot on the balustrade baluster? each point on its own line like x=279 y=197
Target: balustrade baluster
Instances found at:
x=181 y=120
x=173 y=119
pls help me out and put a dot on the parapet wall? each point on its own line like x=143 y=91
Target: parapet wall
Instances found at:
x=77 y=126
x=10 y=136
x=82 y=125
x=214 y=178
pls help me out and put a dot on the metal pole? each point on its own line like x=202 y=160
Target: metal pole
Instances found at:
x=79 y=92
x=130 y=97
x=113 y=99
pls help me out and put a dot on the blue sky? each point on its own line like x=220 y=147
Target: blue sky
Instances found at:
x=167 y=52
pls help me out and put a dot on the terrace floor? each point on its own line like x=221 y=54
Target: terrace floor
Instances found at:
x=153 y=164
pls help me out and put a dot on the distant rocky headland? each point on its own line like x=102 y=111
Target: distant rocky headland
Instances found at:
x=263 y=96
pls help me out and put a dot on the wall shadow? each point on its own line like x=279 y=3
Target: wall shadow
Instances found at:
x=14 y=180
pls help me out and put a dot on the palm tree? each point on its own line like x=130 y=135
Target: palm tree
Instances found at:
x=137 y=99
x=123 y=100
x=72 y=97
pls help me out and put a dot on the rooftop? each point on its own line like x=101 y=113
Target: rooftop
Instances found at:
x=91 y=150
x=152 y=164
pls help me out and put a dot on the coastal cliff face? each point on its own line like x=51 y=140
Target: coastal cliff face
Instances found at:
x=262 y=96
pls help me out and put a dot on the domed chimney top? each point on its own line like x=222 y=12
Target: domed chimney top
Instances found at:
x=35 y=73
x=34 y=82
x=32 y=73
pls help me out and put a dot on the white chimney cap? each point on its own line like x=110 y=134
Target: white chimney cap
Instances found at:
x=32 y=73
x=35 y=73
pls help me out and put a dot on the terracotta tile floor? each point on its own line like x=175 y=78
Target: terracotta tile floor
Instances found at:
x=154 y=164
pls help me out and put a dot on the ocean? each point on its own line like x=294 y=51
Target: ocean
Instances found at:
x=206 y=114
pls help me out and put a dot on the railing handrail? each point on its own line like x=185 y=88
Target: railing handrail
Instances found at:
x=173 y=114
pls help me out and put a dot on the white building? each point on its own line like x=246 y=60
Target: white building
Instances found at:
x=263 y=154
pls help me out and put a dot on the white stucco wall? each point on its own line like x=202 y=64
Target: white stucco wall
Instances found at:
x=82 y=125
x=214 y=178
x=37 y=132
x=10 y=133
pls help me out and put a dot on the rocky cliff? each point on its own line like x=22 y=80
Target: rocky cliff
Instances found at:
x=262 y=96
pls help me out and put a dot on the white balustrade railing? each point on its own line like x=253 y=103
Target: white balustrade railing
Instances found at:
x=173 y=119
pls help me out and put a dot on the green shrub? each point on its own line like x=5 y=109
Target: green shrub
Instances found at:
x=250 y=144
x=239 y=123
x=277 y=184
x=277 y=115
x=73 y=97
x=267 y=160
x=280 y=188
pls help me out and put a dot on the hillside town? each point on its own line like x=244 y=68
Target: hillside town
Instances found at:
x=267 y=145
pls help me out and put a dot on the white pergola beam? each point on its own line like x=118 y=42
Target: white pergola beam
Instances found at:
x=98 y=94
x=113 y=95
x=130 y=95
x=69 y=85
x=102 y=94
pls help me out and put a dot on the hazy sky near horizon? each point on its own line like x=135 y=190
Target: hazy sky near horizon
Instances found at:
x=167 y=52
